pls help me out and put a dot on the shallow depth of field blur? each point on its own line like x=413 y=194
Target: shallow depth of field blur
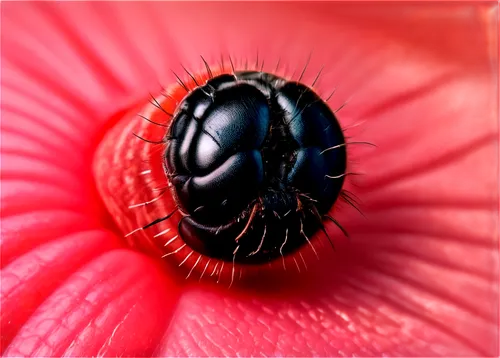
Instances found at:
x=419 y=274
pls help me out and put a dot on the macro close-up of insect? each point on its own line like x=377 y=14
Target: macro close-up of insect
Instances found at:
x=247 y=154
x=239 y=179
x=253 y=164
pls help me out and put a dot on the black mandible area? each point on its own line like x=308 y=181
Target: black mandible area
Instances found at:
x=255 y=161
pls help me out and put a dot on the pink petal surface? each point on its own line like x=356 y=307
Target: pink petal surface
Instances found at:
x=419 y=275
x=98 y=310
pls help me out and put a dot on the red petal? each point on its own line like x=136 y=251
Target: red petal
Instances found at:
x=98 y=311
x=420 y=274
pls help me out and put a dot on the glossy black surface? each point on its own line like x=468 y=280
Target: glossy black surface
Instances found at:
x=253 y=143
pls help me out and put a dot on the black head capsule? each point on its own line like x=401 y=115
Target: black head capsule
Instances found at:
x=248 y=163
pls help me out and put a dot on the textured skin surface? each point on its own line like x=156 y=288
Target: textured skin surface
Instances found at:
x=419 y=276
x=81 y=317
x=251 y=153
